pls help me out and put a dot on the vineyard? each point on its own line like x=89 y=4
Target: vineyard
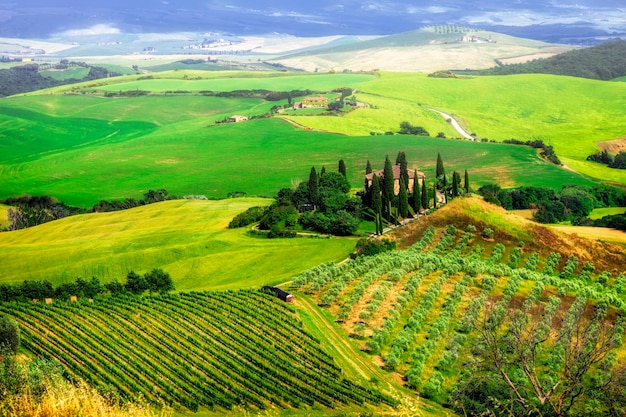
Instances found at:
x=418 y=312
x=207 y=349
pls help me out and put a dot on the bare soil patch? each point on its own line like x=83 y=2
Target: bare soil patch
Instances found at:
x=613 y=146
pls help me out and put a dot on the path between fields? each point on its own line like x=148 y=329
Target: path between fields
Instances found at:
x=455 y=125
x=339 y=342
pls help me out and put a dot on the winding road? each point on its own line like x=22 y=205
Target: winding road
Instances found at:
x=455 y=125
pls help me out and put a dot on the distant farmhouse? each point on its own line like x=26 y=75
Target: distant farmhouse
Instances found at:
x=312 y=102
x=396 y=179
x=237 y=118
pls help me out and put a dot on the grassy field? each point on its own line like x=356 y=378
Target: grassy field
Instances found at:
x=610 y=211
x=84 y=158
x=569 y=113
x=188 y=239
x=4 y=221
x=61 y=75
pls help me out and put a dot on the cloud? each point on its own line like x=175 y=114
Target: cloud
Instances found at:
x=101 y=29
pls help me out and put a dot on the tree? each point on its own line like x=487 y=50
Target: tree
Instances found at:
x=435 y=195
x=159 y=281
x=376 y=201
x=619 y=161
x=404 y=169
x=403 y=200
x=135 y=283
x=456 y=179
x=368 y=168
x=439 y=171
x=342 y=168
x=466 y=183
x=313 y=188
x=388 y=187
x=514 y=344
x=9 y=335
x=416 y=201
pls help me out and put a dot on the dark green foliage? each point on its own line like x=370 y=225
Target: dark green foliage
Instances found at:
x=549 y=211
x=159 y=281
x=416 y=197
x=313 y=187
x=248 y=217
x=9 y=336
x=425 y=205
x=603 y=157
x=466 y=183
x=619 y=161
x=440 y=170
x=135 y=283
x=616 y=221
x=547 y=151
x=371 y=247
x=407 y=128
x=435 y=195
x=404 y=169
x=342 y=168
x=29 y=211
x=377 y=204
x=602 y=62
x=456 y=179
x=577 y=201
x=368 y=168
x=388 y=188
x=403 y=200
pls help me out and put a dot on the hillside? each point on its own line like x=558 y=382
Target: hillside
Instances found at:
x=191 y=351
x=427 y=314
x=186 y=238
x=428 y=49
x=606 y=61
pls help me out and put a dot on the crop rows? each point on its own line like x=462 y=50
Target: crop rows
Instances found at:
x=191 y=350
x=437 y=292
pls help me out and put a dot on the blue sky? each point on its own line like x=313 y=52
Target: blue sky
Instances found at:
x=43 y=18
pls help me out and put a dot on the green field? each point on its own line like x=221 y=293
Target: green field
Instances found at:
x=61 y=75
x=65 y=147
x=610 y=211
x=188 y=239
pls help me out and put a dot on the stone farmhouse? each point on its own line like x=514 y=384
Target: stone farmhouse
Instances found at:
x=396 y=179
x=312 y=102
x=237 y=118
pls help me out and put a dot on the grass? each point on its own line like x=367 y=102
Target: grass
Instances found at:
x=569 y=113
x=76 y=73
x=609 y=211
x=188 y=239
x=102 y=160
x=4 y=216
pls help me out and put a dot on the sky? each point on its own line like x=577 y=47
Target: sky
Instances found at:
x=548 y=19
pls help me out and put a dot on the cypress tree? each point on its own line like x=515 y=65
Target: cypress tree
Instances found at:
x=404 y=168
x=388 y=187
x=466 y=184
x=323 y=171
x=377 y=203
x=313 y=187
x=403 y=200
x=424 y=195
x=342 y=168
x=440 y=173
x=368 y=167
x=455 y=184
x=416 y=201
x=435 y=195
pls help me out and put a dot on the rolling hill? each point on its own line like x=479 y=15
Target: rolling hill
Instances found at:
x=428 y=49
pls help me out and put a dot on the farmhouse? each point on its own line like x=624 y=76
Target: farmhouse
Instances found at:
x=313 y=102
x=237 y=118
x=396 y=179
x=282 y=294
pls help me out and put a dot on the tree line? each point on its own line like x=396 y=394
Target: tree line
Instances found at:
x=573 y=202
x=606 y=61
x=155 y=281
x=26 y=78
x=28 y=211
x=604 y=157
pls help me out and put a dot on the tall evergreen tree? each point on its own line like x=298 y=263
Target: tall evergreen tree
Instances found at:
x=342 y=168
x=388 y=188
x=424 y=196
x=466 y=184
x=440 y=173
x=404 y=167
x=323 y=171
x=377 y=202
x=368 y=167
x=416 y=198
x=313 y=187
x=403 y=200
x=456 y=178
x=435 y=195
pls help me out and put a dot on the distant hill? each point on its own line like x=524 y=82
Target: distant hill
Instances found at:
x=428 y=49
x=602 y=62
